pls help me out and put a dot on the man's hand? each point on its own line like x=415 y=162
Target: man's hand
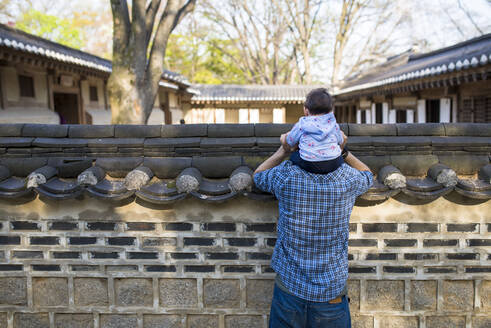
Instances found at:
x=285 y=144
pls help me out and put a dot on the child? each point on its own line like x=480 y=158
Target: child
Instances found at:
x=317 y=134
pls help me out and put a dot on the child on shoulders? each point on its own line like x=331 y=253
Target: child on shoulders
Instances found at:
x=317 y=135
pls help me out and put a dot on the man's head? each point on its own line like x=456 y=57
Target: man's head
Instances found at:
x=318 y=101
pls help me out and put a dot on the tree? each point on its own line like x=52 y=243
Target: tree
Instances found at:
x=139 y=44
x=365 y=34
x=301 y=18
x=264 y=37
x=51 y=27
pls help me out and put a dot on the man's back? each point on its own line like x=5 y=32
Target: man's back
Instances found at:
x=310 y=255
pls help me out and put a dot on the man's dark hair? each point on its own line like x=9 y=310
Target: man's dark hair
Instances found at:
x=319 y=101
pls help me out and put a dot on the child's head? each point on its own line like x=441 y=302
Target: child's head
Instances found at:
x=318 y=101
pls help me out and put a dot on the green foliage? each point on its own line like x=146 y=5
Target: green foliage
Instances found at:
x=203 y=61
x=51 y=27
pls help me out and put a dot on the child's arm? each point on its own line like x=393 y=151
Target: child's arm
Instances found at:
x=293 y=137
x=339 y=134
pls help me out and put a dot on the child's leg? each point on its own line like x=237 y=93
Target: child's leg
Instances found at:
x=303 y=164
x=324 y=167
x=298 y=161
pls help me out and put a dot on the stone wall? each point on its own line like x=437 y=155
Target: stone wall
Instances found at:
x=88 y=264
x=94 y=260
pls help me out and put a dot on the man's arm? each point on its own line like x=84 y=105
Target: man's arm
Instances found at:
x=355 y=163
x=351 y=159
x=274 y=160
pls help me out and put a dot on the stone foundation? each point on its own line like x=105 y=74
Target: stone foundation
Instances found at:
x=85 y=263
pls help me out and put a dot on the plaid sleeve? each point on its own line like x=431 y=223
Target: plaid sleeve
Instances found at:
x=268 y=180
x=363 y=182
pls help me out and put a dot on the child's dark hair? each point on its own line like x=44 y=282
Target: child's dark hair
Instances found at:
x=319 y=101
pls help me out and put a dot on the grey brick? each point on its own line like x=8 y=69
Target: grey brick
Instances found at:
x=230 y=130
x=259 y=293
x=379 y=227
x=227 y=142
x=445 y=321
x=372 y=129
x=90 y=291
x=172 y=142
x=133 y=292
x=45 y=130
x=469 y=227
x=184 y=130
x=467 y=129
x=60 y=142
x=385 y=295
x=50 y=291
x=161 y=320
x=427 y=129
x=91 y=131
x=31 y=320
x=202 y=321
x=221 y=293
x=136 y=131
x=118 y=321
x=13 y=291
x=422 y=227
x=243 y=321
x=458 y=295
x=271 y=130
x=111 y=145
x=74 y=320
x=178 y=292
x=15 y=142
x=11 y=130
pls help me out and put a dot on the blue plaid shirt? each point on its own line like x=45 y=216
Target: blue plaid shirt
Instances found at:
x=311 y=252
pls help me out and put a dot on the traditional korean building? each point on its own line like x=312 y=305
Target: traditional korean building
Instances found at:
x=45 y=82
x=446 y=85
x=232 y=103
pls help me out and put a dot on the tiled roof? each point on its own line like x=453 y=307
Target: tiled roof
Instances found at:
x=459 y=57
x=414 y=163
x=24 y=42
x=236 y=93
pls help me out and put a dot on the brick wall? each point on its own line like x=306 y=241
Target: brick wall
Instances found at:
x=88 y=264
x=94 y=231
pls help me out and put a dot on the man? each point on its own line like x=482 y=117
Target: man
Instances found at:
x=311 y=253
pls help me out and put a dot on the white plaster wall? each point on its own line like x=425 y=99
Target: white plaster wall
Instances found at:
x=385 y=112
x=40 y=88
x=156 y=117
x=410 y=116
x=421 y=110
x=10 y=83
x=445 y=110
x=392 y=116
x=29 y=115
x=173 y=100
x=99 y=115
x=242 y=209
x=177 y=115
